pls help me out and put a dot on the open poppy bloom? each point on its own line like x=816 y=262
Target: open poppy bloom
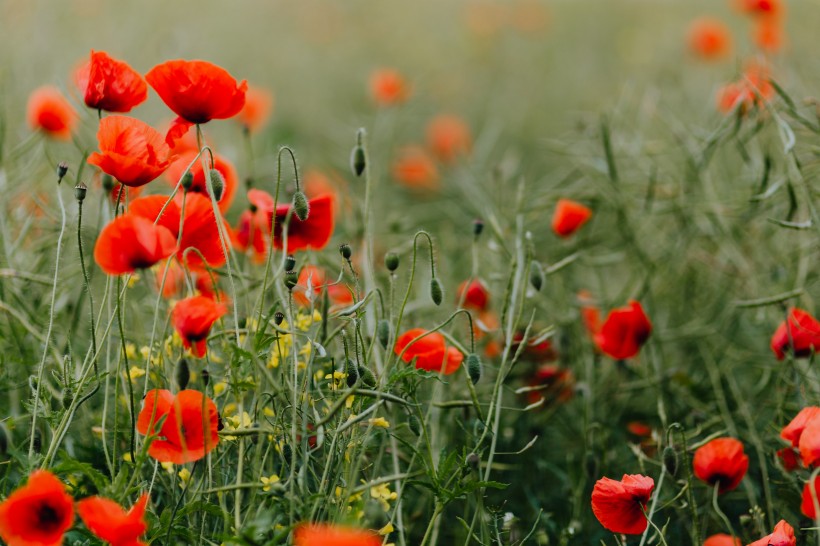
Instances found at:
x=388 y=87
x=430 y=352
x=130 y=150
x=50 y=112
x=415 y=169
x=620 y=505
x=794 y=430
x=313 y=233
x=475 y=295
x=312 y=281
x=722 y=539
x=807 y=503
x=197 y=91
x=709 y=38
x=221 y=164
x=257 y=109
x=189 y=429
x=809 y=443
x=193 y=318
x=322 y=534
x=783 y=535
x=624 y=331
x=110 y=523
x=37 y=514
x=721 y=461
x=569 y=216
x=253 y=230
x=110 y=85
x=800 y=333
x=448 y=137
x=130 y=242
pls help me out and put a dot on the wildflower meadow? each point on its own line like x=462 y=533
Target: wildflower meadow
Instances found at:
x=468 y=272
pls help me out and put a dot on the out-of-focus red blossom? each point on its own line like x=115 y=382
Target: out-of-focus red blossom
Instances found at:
x=129 y=193
x=788 y=458
x=253 y=229
x=49 y=111
x=768 y=35
x=536 y=351
x=590 y=314
x=809 y=444
x=529 y=16
x=800 y=332
x=318 y=281
x=709 y=38
x=794 y=430
x=620 y=505
x=130 y=150
x=189 y=431
x=553 y=383
x=415 y=169
x=315 y=534
x=199 y=230
x=639 y=429
x=388 y=87
x=783 y=535
x=37 y=514
x=430 y=352
x=569 y=216
x=624 y=331
x=721 y=461
x=313 y=233
x=131 y=242
x=110 y=85
x=722 y=539
x=197 y=91
x=110 y=523
x=448 y=137
x=751 y=90
x=475 y=294
x=807 y=504
x=257 y=109
x=764 y=8
x=204 y=282
x=193 y=318
x=221 y=164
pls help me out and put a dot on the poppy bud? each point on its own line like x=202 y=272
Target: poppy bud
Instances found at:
x=368 y=379
x=62 y=170
x=66 y=397
x=474 y=367
x=206 y=377
x=108 y=182
x=278 y=317
x=357 y=161
x=478 y=227
x=352 y=372
x=391 y=261
x=436 y=291
x=670 y=460
x=414 y=424
x=345 y=251
x=217 y=183
x=182 y=373
x=291 y=279
x=383 y=332
x=290 y=262
x=80 y=191
x=187 y=181
x=536 y=276
x=301 y=206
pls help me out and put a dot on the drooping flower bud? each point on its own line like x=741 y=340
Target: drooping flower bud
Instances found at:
x=80 y=191
x=670 y=460
x=436 y=291
x=345 y=251
x=301 y=207
x=474 y=367
x=290 y=262
x=291 y=279
x=182 y=374
x=217 y=183
x=391 y=261
x=536 y=276
x=357 y=160
x=383 y=332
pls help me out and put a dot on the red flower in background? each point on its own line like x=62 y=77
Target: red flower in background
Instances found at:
x=783 y=535
x=182 y=438
x=753 y=89
x=475 y=295
x=430 y=352
x=722 y=539
x=800 y=332
x=130 y=242
x=110 y=85
x=809 y=444
x=221 y=164
x=197 y=91
x=388 y=87
x=448 y=137
x=721 y=461
x=257 y=109
x=551 y=382
x=253 y=228
x=321 y=534
x=415 y=169
x=50 y=112
x=131 y=151
x=175 y=281
x=193 y=318
x=37 y=514
x=620 y=505
x=764 y=8
x=624 y=331
x=788 y=458
x=709 y=38
x=569 y=216
x=807 y=504
x=313 y=233
x=316 y=277
x=110 y=523
x=794 y=430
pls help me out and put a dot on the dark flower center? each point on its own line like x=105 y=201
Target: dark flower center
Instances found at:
x=48 y=518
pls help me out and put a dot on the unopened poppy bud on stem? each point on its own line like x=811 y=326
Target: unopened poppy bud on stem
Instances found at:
x=352 y=372
x=345 y=251
x=187 y=181
x=478 y=227
x=670 y=460
x=391 y=261
x=357 y=157
x=108 y=182
x=536 y=276
x=80 y=191
x=383 y=332
x=217 y=183
x=436 y=291
x=474 y=367
x=300 y=205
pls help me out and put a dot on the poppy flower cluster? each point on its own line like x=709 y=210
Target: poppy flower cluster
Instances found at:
x=799 y=334
x=620 y=505
x=41 y=512
x=624 y=331
x=721 y=462
x=429 y=352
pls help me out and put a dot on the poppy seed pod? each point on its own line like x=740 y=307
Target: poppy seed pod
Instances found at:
x=436 y=291
x=536 y=276
x=62 y=170
x=345 y=251
x=187 y=180
x=383 y=332
x=352 y=372
x=474 y=367
x=291 y=279
x=278 y=317
x=391 y=261
x=108 y=182
x=217 y=183
x=182 y=374
x=670 y=460
x=80 y=191
x=290 y=262
x=357 y=160
x=301 y=207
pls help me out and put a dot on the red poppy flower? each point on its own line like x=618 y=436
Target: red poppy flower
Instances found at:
x=37 y=514
x=197 y=91
x=475 y=295
x=809 y=444
x=763 y=8
x=448 y=137
x=175 y=281
x=721 y=461
x=767 y=34
x=317 y=280
x=110 y=85
x=199 y=230
x=415 y=169
x=130 y=242
x=794 y=430
x=253 y=229
x=388 y=87
x=257 y=109
x=800 y=332
x=189 y=431
x=751 y=90
x=110 y=523
x=569 y=216
x=536 y=351
x=620 y=505
x=313 y=233
x=554 y=383
x=221 y=164
x=637 y=428
x=193 y=318
x=788 y=458
x=709 y=38
x=430 y=352
x=722 y=539
x=49 y=111
x=321 y=534
x=624 y=331
x=783 y=535
x=132 y=152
